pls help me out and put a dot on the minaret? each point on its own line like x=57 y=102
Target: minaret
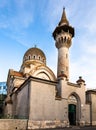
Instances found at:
x=63 y=34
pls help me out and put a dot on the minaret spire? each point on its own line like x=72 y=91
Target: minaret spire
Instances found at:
x=63 y=20
x=63 y=34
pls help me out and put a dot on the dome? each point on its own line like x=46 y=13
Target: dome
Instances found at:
x=34 y=54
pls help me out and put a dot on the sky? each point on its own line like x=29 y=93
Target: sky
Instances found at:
x=26 y=23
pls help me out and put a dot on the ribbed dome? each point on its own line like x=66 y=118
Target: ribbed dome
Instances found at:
x=34 y=54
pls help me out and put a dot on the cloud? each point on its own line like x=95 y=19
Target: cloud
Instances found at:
x=84 y=50
x=25 y=12
x=52 y=61
x=53 y=11
x=85 y=18
x=86 y=69
x=18 y=14
x=90 y=48
x=83 y=63
x=20 y=38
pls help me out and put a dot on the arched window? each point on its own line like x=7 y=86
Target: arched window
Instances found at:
x=39 y=58
x=34 y=57
x=72 y=99
x=64 y=39
x=29 y=57
x=61 y=39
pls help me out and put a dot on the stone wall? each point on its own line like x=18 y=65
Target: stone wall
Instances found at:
x=42 y=101
x=22 y=103
x=13 y=124
x=46 y=124
x=93 y=98
x=23 y=124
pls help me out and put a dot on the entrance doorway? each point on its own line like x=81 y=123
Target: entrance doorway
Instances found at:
x=72 y=114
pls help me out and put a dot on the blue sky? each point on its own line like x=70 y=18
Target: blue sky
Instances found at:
x=26 y=23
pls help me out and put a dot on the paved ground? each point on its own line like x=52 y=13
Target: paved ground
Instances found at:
x=74 y=128
x=80 y=128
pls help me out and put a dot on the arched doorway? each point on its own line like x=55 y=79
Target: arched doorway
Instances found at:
x=74 y=109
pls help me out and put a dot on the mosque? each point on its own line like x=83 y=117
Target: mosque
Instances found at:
x=45 y=100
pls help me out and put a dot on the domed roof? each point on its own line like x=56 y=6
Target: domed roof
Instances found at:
x=34 y=53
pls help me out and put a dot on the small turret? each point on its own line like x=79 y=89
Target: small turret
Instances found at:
x=80 y=81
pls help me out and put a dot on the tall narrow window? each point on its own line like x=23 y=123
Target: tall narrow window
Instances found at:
x=66 y=56
x=34 y=57
x=65 y=39
x=29 y=57
x=39 y=58
x=66 y=68
x=61 y=39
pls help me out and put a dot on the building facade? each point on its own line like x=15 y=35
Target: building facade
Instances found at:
x=3 y=94
x=46 y=101
x=3 y=88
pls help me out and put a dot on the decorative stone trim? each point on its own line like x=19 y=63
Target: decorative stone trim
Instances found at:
x=82 y=123
x=93 y=123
